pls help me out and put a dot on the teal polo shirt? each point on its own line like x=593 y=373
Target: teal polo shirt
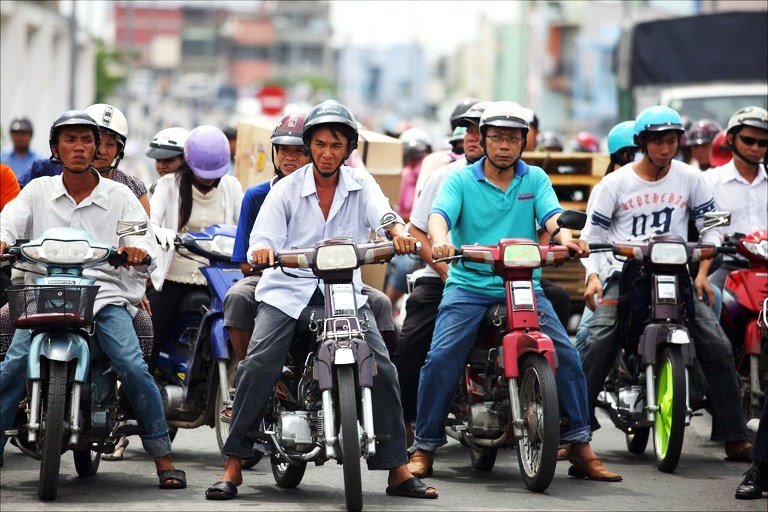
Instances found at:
x=478 y=211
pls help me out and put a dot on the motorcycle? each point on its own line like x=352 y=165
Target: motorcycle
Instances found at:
x=194 y=370
x=321 y=407
x=507 y=396
x=651 y=386
x=61 y=414
x=744 y=317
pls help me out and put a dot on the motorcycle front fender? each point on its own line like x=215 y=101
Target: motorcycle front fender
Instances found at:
x=328 y=356
x=655 y=334
x=59 y=346
x=219 y=339
x=518 y=343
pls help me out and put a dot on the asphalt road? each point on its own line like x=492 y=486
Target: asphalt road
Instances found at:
x=703 y=481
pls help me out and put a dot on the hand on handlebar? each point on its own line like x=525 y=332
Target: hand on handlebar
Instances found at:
x=165 y=237
x=263 y=257
x=443 y=250
x=404 y=244
x=578 y=248
x=134 y=256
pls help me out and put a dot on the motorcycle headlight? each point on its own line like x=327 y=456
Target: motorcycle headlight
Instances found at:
x=669 y=254
x=758 y=249
x=527 y=256
x=58 y=252
x=336 y=257
x=219 y=246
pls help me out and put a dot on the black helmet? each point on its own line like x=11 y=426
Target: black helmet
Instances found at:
x=72 y=118
x=331 y=112
x=473 y=114
x=461 y=109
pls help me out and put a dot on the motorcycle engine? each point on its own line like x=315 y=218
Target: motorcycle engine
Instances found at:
x=294 y=431
x=488 y=418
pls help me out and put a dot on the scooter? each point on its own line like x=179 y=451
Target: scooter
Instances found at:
x=507 y=396
x=194 y=370
x=650 y=386
x=58 y=308
x=321 y=407
x=744 y=317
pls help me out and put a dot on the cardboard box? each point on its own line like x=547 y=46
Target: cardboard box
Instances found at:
x=381 y=155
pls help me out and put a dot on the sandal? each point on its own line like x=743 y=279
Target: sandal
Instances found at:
x=412 y=488
x=167 y=477
x=221 y=490
x=745 y=455
x=119 y=450
x=564 y=452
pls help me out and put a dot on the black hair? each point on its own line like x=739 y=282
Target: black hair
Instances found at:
x=184 y=178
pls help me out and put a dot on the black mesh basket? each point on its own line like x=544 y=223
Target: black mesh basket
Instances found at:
x=35 y=306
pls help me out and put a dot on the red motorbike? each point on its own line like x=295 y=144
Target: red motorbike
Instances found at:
x=744 y=317
x=507 y=396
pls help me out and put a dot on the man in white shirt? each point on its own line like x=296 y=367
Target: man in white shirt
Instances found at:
x=80 y=198
x=741 y=185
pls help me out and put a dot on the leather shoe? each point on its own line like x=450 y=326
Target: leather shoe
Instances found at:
x=420 y=464
x=751 y=488
x=593 y=469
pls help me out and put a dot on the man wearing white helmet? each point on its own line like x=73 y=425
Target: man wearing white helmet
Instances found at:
x=499 y=196
x=167 y=150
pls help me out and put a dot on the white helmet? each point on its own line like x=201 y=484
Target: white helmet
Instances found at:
x=168 y=142
x=111 y=119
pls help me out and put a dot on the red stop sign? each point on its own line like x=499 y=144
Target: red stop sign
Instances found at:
x=272 y=98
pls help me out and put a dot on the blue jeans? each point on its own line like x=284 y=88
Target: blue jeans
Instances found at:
x=458 y=320
x=118 y=341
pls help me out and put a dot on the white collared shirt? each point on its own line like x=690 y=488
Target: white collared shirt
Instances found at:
x=747 y=202
x=45 y=203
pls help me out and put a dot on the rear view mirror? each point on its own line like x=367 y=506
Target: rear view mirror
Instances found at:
x=388 y=221
x=715 y=220
x=131 y=228
x=572 y=219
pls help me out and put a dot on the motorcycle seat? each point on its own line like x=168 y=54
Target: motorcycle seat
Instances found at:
x=193 y=303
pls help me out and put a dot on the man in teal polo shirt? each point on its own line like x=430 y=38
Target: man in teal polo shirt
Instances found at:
x=497 y=197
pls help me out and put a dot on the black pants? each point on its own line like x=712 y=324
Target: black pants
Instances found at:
x=416 y=333
x=164 y=311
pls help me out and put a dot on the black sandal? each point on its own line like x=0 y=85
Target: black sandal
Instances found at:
x=221 y=490
x=167 y=477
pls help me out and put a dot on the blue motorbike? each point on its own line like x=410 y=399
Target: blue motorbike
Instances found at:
x=194 y=370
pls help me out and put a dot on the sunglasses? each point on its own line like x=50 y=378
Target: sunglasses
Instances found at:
x=750 y=141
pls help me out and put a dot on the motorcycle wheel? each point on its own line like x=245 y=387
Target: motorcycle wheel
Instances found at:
x=52 y=430
x=637 y=442
x=669 y=427
x=746 y=383
x=537 y=448
x=221 y=422
x=350 y=438
x=287 y=476
x=87 y=462
x=483 y=459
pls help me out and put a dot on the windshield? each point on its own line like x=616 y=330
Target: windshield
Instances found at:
x=717 y=108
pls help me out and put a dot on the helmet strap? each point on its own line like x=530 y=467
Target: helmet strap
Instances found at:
x=740 y=155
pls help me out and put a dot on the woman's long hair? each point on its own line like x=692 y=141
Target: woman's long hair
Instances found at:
x=184 y=179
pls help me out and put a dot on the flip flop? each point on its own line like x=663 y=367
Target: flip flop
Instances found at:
x=167 y=477
x=221 y=490
x=412 y=488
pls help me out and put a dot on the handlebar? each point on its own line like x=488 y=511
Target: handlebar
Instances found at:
x=117 y=260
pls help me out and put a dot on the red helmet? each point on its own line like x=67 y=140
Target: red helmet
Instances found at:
x=288 y=130
x=585 y=142
x=701 y=132
x=719 y=153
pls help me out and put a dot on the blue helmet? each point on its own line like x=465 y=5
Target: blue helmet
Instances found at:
x=658 y=119
x=621 y=136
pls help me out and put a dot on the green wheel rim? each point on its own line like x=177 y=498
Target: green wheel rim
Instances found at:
x=664 y=415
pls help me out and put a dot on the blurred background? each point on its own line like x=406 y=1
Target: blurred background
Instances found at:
x=393 y=63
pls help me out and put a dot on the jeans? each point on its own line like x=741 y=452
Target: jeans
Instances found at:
x=713 y=350
x=262 y=366
x=458 y=320
x=118 y=341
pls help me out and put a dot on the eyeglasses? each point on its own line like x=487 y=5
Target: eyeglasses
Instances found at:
x=750 y=141
x=511 y=139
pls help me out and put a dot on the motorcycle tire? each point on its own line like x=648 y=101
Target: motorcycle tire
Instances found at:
x=669 y=426
x=287 y=476
x=483 y=459
x=87 y=462
x=638 y=441
x=537 y=448
x=745 y=382
x=350 y=437
x=52 y=430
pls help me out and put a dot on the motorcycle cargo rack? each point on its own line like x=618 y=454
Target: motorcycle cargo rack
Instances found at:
x=37 y=306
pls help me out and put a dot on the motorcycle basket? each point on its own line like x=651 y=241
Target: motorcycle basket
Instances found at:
x=35 y=306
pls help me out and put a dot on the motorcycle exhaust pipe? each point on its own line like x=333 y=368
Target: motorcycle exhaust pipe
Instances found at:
x=293 y=458
x=483 y=443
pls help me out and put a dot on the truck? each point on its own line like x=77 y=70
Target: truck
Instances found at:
x=703 y=66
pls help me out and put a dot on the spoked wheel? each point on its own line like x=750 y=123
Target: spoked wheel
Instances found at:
x=537 y=448
x=52 y=430
x=757 y=363
x=669 y=427
x=87 y=462
x=483 y=459
x=287 y=475
x=350 y=438
x=638 y=440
